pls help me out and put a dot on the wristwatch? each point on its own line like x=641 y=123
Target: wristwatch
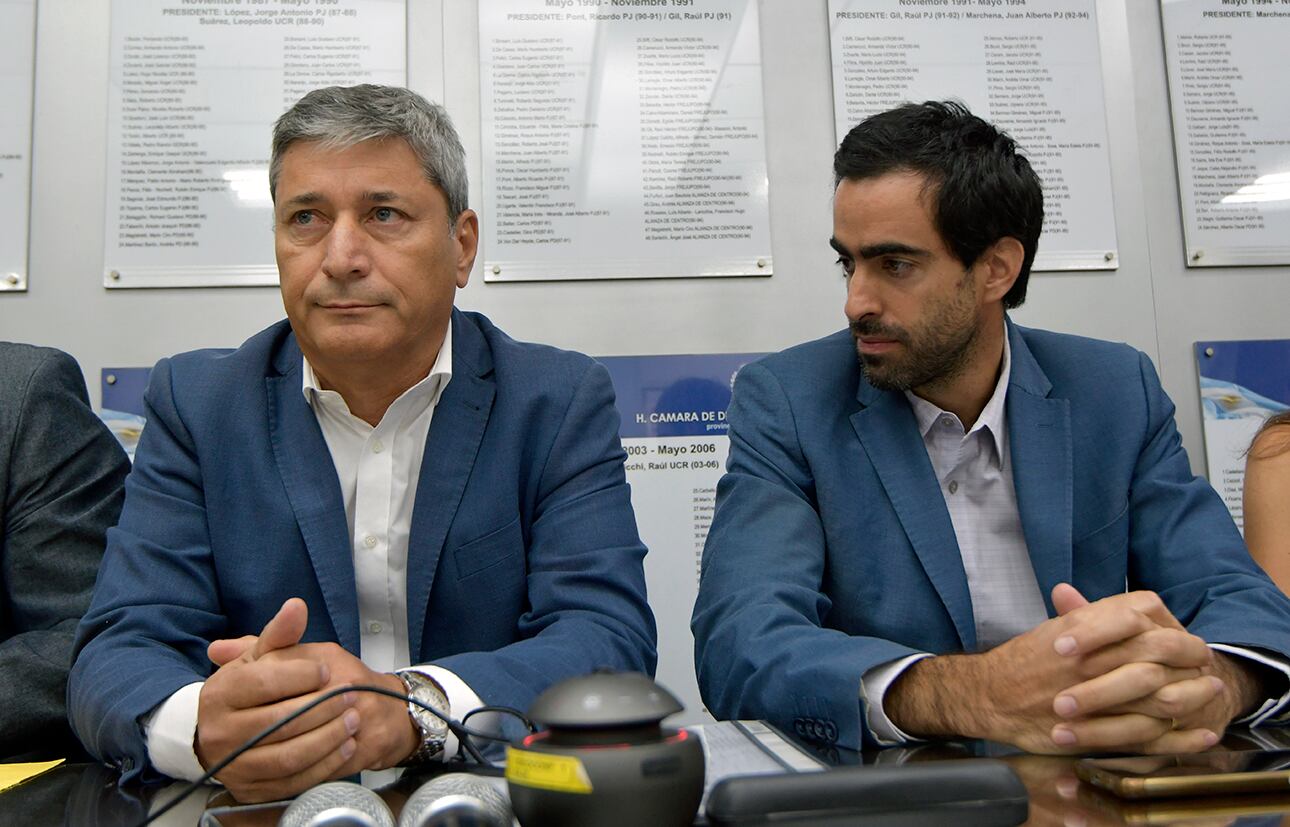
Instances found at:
x=433 y=729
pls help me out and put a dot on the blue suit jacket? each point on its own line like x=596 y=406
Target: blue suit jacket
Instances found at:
x=831 y=550
x=524 y=563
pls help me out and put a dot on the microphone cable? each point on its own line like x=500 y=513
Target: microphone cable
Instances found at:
x=460 y=730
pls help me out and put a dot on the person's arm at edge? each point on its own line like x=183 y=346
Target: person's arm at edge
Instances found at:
x=66 y=472
x=1266 y=496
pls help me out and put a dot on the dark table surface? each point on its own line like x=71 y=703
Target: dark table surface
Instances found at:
x=87 y=795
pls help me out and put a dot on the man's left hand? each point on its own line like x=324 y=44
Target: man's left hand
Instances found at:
x=388 y=736
x=1226 y=689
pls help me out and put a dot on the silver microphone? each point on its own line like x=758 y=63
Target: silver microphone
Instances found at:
x=337 y=804
x=457 y=800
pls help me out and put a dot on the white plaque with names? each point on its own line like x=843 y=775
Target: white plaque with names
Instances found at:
x=195 y=88
x=622 y=139
x=1032 y=67
x=1227 y=93
x=17 y=70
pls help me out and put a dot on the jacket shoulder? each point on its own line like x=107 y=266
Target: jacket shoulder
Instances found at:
x=1074 y=361
x=820 y=365
x=212 y=382
x=527 y=363
x=19 y=362
x=256 y=354
x=34 y=381
x=1071 y=345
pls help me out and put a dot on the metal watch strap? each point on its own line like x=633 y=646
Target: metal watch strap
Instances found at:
x=416 y=684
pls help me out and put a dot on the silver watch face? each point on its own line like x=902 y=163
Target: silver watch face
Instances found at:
x=426 y=692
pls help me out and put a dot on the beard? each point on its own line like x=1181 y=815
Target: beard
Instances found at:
x=935 y=352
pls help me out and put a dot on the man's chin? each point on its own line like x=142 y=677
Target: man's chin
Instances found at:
x=881 y=373
x=352 y=343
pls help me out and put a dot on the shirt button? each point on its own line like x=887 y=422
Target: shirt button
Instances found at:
x=377 y=446
x=374 y=628
x=947 y=421
x=954 y=486
x=370 y=541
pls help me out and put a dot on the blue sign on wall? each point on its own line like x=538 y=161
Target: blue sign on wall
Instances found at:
x=122 y=389
x=1249 y=378
x=674 y=395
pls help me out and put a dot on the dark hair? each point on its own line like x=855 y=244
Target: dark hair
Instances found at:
x=1271 y=446
x=984 y=189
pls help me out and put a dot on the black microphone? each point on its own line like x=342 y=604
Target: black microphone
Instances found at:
x=338 y=804
x=457 y=800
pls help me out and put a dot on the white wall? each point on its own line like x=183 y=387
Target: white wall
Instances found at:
x=1152 y=301
x=1197 y=304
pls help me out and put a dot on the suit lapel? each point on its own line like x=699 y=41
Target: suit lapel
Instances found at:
x=1039 y=438
x=309 y=478
x=889 y=434
x=456 y=431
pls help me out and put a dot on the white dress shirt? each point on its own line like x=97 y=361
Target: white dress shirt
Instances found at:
x=378 y=469
x=974 y=472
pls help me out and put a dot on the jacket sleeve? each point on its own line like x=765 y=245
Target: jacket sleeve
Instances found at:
x=1184 y=545
x=156 y=603
x=587 y=606
x=762 y=649
x=65 y=474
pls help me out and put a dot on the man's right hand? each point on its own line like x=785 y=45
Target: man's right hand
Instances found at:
x=246 y=695
x=1008 y=694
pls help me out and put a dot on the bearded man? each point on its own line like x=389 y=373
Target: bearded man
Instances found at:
x=973 y=529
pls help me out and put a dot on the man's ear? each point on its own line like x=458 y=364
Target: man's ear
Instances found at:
x=1000 y=265
x=466 y=235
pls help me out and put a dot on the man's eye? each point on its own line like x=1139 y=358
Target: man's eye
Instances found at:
x=385 y=214
x=303 y=218
x=897 y=267
x=846 y=264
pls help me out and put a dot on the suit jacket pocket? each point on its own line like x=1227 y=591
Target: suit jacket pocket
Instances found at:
x=490 y=550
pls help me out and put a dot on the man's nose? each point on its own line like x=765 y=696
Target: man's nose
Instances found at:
x=347 y=251
x=862 y=296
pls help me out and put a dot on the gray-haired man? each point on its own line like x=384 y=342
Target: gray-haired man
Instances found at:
x=379 y=490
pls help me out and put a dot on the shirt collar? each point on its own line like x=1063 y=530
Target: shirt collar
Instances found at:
x=992 y=416
x=429 y=389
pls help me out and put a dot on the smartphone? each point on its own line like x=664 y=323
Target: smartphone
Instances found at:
x=1206 y=773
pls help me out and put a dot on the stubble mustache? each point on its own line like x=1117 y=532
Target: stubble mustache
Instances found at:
x=872 y=327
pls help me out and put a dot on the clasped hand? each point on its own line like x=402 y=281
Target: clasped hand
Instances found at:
x=1118 y=674
x=262 y=679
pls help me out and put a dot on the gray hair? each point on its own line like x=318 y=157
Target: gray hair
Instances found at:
x=339 y=117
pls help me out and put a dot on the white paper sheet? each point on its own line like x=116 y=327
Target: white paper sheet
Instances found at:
x=1030 y=66
x=17 y=70
x=195 y=88
x=1227 y=93
x=622 y=140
